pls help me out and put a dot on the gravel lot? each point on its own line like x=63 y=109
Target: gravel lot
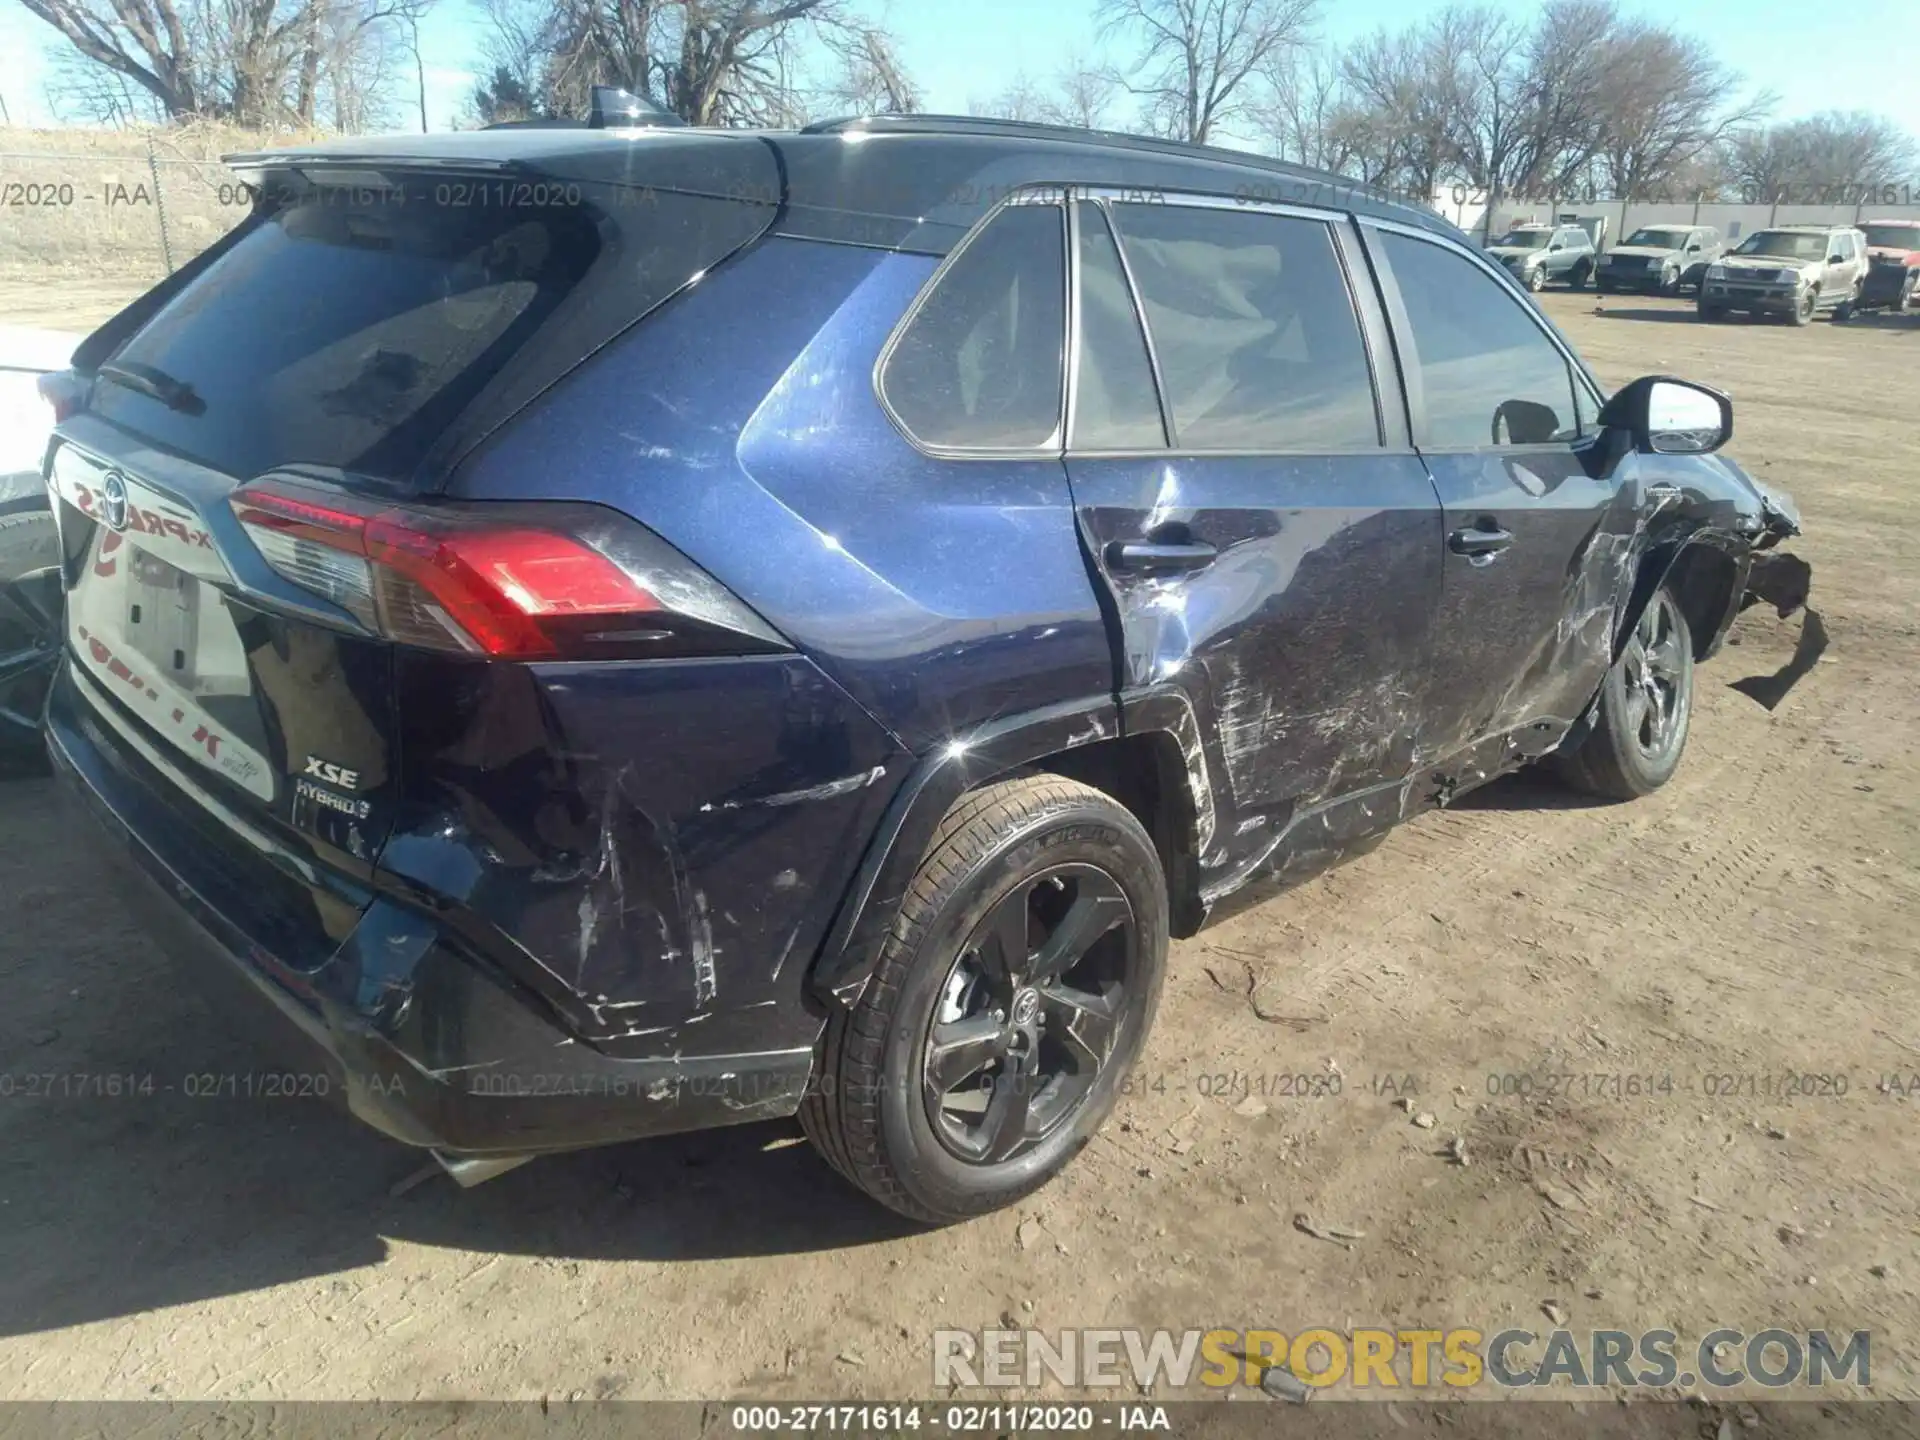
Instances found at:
x=1757 y=917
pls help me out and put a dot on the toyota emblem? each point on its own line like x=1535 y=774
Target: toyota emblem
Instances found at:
x=113 y=500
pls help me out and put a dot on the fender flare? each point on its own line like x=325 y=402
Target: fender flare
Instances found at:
x=846 y=959
x=1656 y=563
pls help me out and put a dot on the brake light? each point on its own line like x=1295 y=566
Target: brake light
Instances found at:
x=63 y=391
x=508 y=581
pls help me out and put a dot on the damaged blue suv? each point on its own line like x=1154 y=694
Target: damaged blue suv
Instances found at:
x=612 y=633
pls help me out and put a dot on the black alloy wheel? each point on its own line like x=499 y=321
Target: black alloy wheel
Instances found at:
x=1029 y=1013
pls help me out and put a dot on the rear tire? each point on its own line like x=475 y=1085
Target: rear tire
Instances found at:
x=29 y=649
x=1646 y=705
x=894 y=1096
x=1578 y=279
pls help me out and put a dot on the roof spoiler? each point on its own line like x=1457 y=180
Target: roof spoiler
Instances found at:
x=613 y=108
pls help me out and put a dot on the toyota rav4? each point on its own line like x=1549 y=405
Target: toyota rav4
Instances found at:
x=617 y=633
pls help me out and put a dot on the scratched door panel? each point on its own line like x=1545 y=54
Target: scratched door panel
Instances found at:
x=1536 y=529
x=1276 y=562
x=1302 y=644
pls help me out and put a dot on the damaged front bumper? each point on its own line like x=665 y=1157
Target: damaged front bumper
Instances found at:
x=1774 y=576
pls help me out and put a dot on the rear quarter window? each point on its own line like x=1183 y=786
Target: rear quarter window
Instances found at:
x=981 y=363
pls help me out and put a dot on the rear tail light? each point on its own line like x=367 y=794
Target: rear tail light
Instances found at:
x=507 y=581
x=63 y=391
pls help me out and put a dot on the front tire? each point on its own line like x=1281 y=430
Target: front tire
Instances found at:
x=1537 y=279
x=1669 y=282
x=1804 y=311
x=1646 y=705
x=1008 y=1004
x=1712 y=313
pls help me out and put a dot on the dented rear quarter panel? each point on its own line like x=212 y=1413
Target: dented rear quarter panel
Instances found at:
x=926 y=598
x=655 y=848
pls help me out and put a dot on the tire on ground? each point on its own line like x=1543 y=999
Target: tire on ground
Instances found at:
x=865 y=1112
x=1611 y=762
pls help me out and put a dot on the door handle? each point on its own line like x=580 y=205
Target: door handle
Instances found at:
x=1478 y=544
x=1139 y=555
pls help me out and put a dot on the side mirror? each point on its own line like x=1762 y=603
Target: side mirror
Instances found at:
x=1836 y=258
x=1556 y=245
x=1666 y=416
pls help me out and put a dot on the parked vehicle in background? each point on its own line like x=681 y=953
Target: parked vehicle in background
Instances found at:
x=1791 y=270
x=29 y=635
x=1537 y=254
x=1660 y=258
x=804 y=640
x=1893 y=265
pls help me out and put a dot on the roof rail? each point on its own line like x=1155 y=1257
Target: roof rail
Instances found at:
x=1112 y=139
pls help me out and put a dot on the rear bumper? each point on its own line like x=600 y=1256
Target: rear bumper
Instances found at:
x=1884 y=286
x=466 y=1064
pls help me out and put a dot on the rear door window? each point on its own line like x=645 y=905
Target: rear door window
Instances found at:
x=981 y=363
x=1489 y=375
x=1254 y=329
x=1116 y=406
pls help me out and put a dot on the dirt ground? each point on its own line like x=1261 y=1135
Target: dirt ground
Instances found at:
x=1757 y=918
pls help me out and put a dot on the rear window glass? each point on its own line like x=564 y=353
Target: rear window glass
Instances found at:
x=353 y=332
x=982 y=363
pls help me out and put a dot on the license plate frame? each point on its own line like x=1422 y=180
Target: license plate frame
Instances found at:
x=162 y=620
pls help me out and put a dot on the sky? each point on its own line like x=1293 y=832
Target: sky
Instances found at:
x=958 y=50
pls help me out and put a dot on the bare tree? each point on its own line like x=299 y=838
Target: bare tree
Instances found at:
x=1665 y=103
x=1304 y=95
x=1199 y=60
x=408 y=14
x=256 y=62
x=1082 y=95
x=870 y=79
x=1395 y=125
x=1019 y=99
x=1823 y=158
x=713 y=62
x=144 y=40
x=1563 y=83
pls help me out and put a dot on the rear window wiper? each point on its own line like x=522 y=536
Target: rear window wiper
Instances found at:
x=170 y=391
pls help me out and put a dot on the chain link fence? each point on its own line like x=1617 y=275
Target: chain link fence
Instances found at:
x=91 y=218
